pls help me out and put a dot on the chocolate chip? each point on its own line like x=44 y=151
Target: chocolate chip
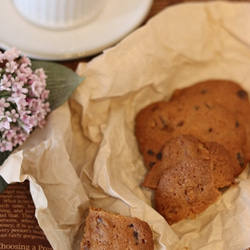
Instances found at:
x=240 y=159
x=164 y=125
x=159 y=155
x=208 y=106
x=210 y=130
x=150 y=152
x=179 y=124
x=136 y=235
x=237 y=124
x=99 y=220
x=242 y=94
x=203 y=91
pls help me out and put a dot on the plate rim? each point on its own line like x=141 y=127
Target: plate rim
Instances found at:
x=13 y=17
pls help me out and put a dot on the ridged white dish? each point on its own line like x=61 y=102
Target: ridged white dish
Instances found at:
x=58 y=14
x=116 y=20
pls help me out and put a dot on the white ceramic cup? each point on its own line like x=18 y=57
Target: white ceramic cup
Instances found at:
x=59 y=14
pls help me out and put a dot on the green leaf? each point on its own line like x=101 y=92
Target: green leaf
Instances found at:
x=3 y=184
x=61 y=81
x=4 y=156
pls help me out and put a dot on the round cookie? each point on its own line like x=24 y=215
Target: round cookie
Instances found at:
x=186 y=147
x=215 y=123
x=227 y=93
x=185 y=190
x=150 y=131
x=175 y=151
x=206 y=120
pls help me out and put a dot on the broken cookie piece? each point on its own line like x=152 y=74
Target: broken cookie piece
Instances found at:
x=106 y=230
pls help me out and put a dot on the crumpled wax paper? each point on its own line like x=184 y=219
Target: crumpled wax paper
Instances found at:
x=87 y=154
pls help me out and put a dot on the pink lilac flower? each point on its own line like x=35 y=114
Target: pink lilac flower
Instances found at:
x=18 y=87
x=11 y=55
x=3 y=105
x=18 y=100
x=5 y=83
x=23 y=99
x=12 y=115
x=11 y=67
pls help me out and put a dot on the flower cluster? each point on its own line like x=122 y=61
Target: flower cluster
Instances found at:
x=23 y=97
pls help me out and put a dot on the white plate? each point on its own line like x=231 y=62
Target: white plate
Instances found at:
x=117 y=19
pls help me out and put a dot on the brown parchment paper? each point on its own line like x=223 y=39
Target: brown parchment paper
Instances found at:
x=87 y=153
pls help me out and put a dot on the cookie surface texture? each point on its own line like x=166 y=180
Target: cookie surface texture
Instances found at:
x=186 y=147
x=175 y=151
x=222 y=167
x=227 y=93
x=206 y=120
x=185 y=190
